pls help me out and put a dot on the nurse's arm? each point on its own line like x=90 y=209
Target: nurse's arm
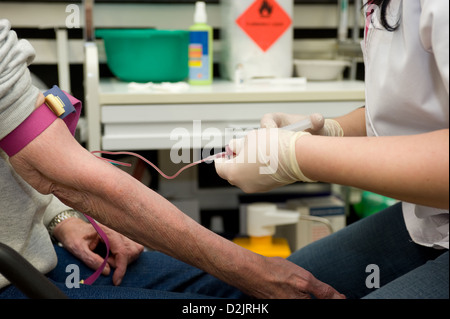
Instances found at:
x=353 y=123
x=411 y=168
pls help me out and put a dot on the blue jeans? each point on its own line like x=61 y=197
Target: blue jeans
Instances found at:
x=406 y=270
x=153 y=276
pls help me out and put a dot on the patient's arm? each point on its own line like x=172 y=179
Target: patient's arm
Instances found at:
x=55 y=163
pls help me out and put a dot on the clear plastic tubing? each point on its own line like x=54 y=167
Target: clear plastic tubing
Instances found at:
x=299 y=126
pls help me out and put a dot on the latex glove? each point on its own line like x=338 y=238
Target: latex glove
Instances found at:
x=320 y=126
x=81 y=239
x=264 y=159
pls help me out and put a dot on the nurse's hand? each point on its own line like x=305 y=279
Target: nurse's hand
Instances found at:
x=265 y=159
x=320 y=126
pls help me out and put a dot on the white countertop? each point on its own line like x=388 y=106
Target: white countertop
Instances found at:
x=115 y=92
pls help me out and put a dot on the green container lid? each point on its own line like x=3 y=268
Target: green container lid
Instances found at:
x=146 y=55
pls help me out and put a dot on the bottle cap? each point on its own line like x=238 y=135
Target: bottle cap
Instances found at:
x=200 y=12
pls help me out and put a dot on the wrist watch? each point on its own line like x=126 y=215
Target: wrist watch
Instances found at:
x=59 y=218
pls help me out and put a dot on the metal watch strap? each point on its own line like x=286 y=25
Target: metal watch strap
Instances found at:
x=59 y=218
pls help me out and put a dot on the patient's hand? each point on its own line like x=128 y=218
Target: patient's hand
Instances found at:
x=278 y=278
x=81 y=239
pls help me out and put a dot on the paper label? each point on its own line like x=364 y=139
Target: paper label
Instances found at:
x=264 y=22
x=199 y=56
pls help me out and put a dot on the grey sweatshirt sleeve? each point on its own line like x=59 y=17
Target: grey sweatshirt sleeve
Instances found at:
x=17 y=94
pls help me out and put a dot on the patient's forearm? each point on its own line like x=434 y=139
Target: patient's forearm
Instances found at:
x=144 y=216
x=56 y=163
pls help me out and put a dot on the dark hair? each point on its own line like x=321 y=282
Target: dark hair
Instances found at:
x=383 y=5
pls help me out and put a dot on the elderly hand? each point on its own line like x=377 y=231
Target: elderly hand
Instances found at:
x=278 y=278
x=81 y=239
x=265 y=159
x=320 y=126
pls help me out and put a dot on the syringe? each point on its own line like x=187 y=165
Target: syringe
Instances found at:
x=295 y=127
x=299 y=126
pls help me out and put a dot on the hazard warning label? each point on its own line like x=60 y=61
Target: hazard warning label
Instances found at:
x=264 y=22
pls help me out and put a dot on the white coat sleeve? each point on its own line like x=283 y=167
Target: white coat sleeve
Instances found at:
x=434 y=34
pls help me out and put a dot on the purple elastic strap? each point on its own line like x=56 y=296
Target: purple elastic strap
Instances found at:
x=39 y=121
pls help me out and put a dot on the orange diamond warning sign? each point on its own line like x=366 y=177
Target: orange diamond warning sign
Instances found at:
x=264 y=22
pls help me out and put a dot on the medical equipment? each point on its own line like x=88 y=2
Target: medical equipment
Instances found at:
x=57 y=104
x=262 y=219
x=298 y=126
x=228 y=152
x=295 y=127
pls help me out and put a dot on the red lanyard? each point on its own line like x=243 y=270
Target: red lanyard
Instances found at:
x=92 y=278
x=369 y=12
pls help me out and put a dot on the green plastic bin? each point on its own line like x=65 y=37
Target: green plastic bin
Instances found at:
x=146 y=55
x=372 y=203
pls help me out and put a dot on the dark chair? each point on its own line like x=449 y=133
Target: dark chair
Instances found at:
x=26 y=277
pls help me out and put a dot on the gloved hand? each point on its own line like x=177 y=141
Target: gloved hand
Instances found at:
x=320 y=126
x=264 y=159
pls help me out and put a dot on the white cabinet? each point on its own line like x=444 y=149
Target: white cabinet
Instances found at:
x=120 y=118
